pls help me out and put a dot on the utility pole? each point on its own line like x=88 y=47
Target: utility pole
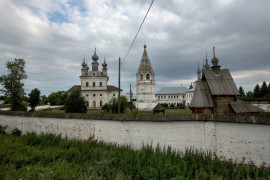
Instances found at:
x=130 y=96
x=119 y=87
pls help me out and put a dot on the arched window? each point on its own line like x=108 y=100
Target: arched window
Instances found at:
x=87 y=84
x=94 y=104
x=100 y=103
x=94 y=84
x=100 y=83
x=147 y=77
x=141 y=77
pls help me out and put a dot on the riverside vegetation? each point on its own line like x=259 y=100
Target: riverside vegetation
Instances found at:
x=50 y=157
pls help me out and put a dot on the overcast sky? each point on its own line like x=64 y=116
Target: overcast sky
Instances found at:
x=54 y=35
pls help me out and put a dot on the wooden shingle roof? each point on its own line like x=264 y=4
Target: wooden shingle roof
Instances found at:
x=243 y=107
x=220 y=84
x=202 y=96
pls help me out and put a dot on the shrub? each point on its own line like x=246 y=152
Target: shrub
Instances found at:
x=113 y=105
x=2 y=129
x=16 y=132
x=106 y=107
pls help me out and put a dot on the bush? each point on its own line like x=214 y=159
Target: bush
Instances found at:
x=2 y=129
x=106 y=108
x=113 y=104
x=16 y=132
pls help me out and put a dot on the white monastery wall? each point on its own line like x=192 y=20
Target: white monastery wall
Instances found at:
x=225 y=139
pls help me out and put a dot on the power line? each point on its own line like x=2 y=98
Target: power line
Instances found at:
x=138 y=31
x=134 y=40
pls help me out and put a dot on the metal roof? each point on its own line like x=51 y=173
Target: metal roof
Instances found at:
x=202 y=96
x=172 y=90
x=90 y=72
x=243 y=107
x=222 y=83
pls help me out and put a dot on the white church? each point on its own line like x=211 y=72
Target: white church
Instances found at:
x=94 y=84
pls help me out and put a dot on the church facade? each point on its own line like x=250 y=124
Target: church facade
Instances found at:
x=94 y=84
x=145 y=84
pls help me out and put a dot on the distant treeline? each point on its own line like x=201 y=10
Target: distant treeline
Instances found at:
x=258 y=91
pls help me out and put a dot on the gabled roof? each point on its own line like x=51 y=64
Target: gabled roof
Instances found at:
x=202 y=96
x=220 y=84
x=112 y=88
x=172 y=90
x=75 y=88
x=243 y=107
x=78 y=87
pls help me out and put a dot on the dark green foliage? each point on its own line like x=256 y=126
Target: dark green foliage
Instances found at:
x=241 y=91
x=13 y=85
x=50 y=157
x=2 y=129
x=249 y=94
x=164 y=105
x=264 y=89
x=181 y=106
x=75 y=103
x=57 y=98
x=16 y=132
x=34 y=98
x=268 y=90
x=113 y=105
x=106 y=108
x=257 y=91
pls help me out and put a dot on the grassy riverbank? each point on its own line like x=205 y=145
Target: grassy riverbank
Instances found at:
x=50 y=157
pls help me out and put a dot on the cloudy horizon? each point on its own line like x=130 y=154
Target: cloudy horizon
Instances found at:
x=53 y=37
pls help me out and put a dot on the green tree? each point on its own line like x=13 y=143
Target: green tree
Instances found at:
x=257 y=91
x=75 y=103
x=241 y=91
x=269 y=89
x=57 y=98
x=113 y=104
x=264 y=89
x=34 y=98
x=13 y=84
x=249 y=94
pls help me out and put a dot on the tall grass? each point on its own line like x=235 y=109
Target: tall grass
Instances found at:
x=50 y=157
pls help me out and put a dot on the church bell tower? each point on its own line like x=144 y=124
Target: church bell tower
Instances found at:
x=145 y=84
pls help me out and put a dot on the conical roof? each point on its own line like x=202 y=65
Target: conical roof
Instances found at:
x=158 y=107
x=145 y=65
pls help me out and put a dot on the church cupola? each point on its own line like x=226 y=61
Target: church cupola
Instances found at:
x=198 y=73
x=207 y=66
x=215 y=67
x=104 y=68
x=95 y=63
x=85 y=68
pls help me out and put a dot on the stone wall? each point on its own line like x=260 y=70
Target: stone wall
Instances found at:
x=233 y=137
